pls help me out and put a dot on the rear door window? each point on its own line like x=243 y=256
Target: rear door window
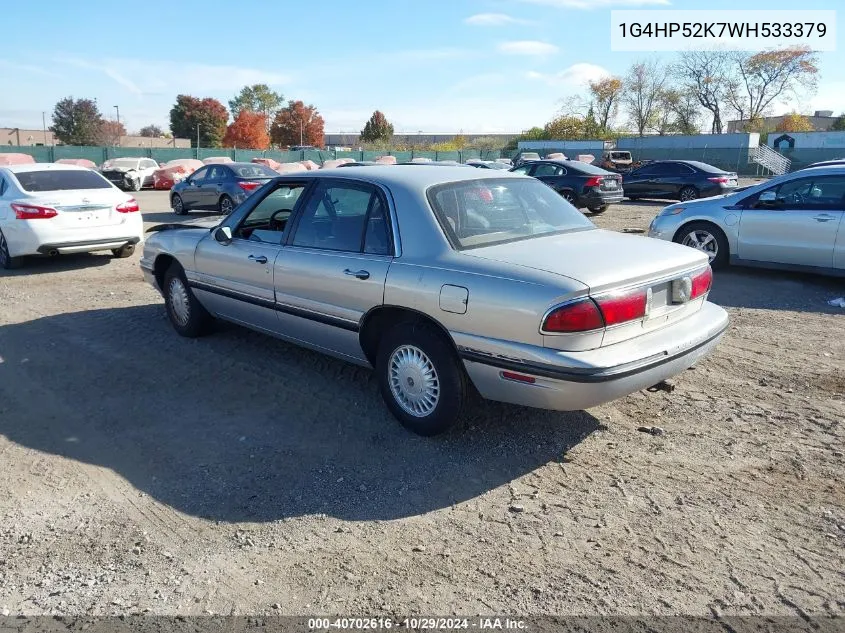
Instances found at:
x=548 y=170
x=61 y=180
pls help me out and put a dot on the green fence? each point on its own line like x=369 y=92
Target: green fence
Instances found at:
x=99 y=155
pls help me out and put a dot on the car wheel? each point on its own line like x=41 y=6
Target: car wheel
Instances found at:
x=598 y=210
x=420 y=378
x=633 y=198
x=124 y=251
x=7 y=262
x=707 y=238
x=136 y=184
x=568 y=196
x=186 y=314
x=226 y=205
x=177 y=205
x=688 y=193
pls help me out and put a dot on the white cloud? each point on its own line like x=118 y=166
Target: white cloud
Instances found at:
x=528 y=47
x=493 y=19
x=26 y=68
x=575 y=76
x=597 y=4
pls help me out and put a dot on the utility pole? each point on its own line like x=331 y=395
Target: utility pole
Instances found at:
x=44 y=125
x=301 y=135
x=118 y=124
x=198 y=141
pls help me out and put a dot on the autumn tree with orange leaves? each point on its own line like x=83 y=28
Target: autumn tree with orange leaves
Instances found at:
x=247 y=131
x=298 y=124
x=794 y=122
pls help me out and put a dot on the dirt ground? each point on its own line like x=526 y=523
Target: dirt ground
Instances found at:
x=236 y=474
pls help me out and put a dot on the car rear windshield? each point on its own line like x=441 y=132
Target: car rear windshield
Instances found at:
x=61 y=180
x=476 y=213
x=710 y=169
x=586 y=168
x=254 y=171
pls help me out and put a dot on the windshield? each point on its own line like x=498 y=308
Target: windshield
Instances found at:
x=126 y=163
x=484 y=212
x=61 y=180
x=255 y=170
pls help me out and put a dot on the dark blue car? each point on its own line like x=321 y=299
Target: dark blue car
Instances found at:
x=219 y=187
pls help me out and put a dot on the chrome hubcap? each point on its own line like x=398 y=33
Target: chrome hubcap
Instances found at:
x=413 y=381
x=179 y=302
x=704 y=242
x=687 y=195
x=177 y=204
x=226 y=205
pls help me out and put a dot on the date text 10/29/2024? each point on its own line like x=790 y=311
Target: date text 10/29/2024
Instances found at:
x=417 y=623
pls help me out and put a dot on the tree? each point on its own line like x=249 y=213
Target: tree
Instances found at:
x=564 y=127
x=209 y=114
x=705 y=75
x=761 y=78
x=643 y=86
x=485 y=143
x=678 y=112
x=794 y=122
x=839 y=124
x=297 y=124
x=257 y=98
x=77 y=122
x=110 y=132
x=151 y=131
x=248 y=131
x=377 y=128
x=533 y=134
x=606 y=94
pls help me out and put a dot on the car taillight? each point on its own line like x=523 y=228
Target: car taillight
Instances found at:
x=701 y=283
x=32 y=211
x=130 y=206
x=595 y=181
x=249 y=186
x=720 y=179
x=621 y=308
x=578 y=316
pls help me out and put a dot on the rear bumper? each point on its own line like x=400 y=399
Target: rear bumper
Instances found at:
x=598 y=199
x=567 y=381
x=86 y=246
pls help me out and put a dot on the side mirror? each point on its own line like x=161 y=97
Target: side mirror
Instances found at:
x=223 y=235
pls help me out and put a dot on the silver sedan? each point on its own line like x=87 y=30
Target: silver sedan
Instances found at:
x=440 y=277
x=793 y=222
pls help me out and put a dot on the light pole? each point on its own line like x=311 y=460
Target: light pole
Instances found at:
x=198 y=141
x=118 y=124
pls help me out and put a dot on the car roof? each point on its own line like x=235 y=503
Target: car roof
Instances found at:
x=18 y=169
x=407 y=176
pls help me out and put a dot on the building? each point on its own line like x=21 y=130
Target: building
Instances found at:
x=20 y=137
x=822 y=120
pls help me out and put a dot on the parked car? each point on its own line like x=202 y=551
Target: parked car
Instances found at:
x=679 y=179
x=174 y=171
x=582 y=185
x=129 y=174
x=442 y=275
x=794 y=221
x=487 y=164
x=616 y=160
x=524 y=157
x=220 y=187
x=52 y=209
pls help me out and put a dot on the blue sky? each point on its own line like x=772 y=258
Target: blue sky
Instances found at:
x=434 y=66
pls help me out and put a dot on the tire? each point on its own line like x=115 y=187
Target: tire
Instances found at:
x=568 y=196
x=687 y=193
x=225 y=205
x=7 y=262
x=633 y=198
x=186 y=314
x=598 y=210
x=707 y=235
x=177 y=205
x=124 y=251
x=405 y=351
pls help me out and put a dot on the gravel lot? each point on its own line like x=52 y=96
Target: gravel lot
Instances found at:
x=236 y=474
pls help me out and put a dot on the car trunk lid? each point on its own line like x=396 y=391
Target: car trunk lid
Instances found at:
x=81 y=208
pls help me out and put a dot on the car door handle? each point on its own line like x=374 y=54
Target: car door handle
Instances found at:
x=823 y=218
x=258 y=259
x=360 y=274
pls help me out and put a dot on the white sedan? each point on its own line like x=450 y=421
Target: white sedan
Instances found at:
x=52 y=209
